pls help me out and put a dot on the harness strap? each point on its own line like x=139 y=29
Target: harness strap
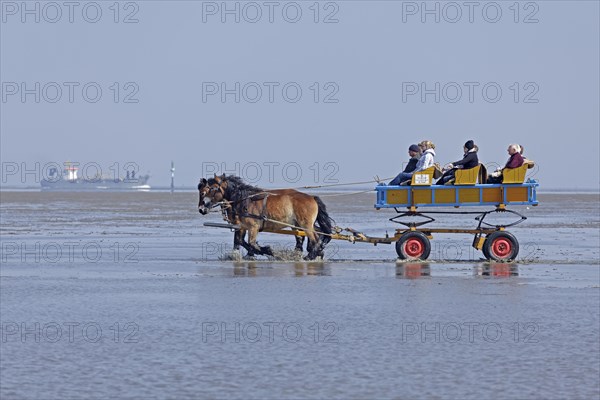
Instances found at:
x=263 y=213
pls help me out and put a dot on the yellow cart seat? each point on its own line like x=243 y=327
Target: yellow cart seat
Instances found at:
x=467 y=176
x=423 y=178
x=516 y=175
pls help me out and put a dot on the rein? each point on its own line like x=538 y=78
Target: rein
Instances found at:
x=376 y=179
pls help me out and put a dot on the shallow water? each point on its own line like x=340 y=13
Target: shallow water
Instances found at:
x=124 y=295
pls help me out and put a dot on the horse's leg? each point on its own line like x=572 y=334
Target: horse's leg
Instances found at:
x=305 y=216
x=238 y=235
x=251 y=250
x=236 y=245
x=310 y=246
x=323 y=240
x=313 y=239
x=267 y=251
x=313 y=245
x=252 y=234
x=299 y=243
x=237 y=240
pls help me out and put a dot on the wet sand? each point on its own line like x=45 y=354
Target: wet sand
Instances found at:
x=124 y=295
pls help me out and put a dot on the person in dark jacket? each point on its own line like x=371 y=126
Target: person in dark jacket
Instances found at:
x=469 y=160
x=414 y=151
x=515 y=161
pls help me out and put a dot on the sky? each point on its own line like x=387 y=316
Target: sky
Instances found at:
x=297 y=93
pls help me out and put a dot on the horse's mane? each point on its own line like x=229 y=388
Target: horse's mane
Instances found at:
x=238 y=190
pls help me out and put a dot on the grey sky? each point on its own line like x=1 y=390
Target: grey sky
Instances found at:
x=368 y=61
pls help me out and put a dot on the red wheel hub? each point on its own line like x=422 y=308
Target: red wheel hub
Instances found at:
x=502 y=247
x=413 y=248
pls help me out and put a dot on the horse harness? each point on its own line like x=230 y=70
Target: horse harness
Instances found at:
x=245 y=202
x=263 y=212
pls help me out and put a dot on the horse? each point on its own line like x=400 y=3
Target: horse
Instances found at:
x=256 y=209
x=230 y=216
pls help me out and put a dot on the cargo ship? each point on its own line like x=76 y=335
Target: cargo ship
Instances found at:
x=69 y=180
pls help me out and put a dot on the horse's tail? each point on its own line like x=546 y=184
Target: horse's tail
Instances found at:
x=325 y=222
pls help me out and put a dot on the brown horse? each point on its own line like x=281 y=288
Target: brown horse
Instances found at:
x=230 y=216
x=256 y=209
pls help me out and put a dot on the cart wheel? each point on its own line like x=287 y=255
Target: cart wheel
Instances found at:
x=413 y=246
x=485 y=251
x=500 y=246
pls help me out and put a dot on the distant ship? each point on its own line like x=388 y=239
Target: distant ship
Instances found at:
x=69 y=180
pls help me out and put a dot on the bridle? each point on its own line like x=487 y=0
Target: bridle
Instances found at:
x=210 y=193
x=214 y=189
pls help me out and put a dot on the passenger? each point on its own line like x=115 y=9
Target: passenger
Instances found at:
x=414 y=151
x=515 y=161
x=469 y=160
x=530 y=163
x=425 y=161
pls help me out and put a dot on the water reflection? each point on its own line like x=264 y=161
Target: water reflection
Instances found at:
x=254 y=269
x=311 y=269
x=244 y=269
x=412 y=270
x=496 y=269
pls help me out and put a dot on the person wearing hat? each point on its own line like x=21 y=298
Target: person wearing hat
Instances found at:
x=414 y=152
x=424 y=162
x=469 y=160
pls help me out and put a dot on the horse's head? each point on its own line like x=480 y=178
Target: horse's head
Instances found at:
x=203 y=192
x=211 y=192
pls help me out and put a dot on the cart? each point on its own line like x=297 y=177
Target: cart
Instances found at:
x=412 y=240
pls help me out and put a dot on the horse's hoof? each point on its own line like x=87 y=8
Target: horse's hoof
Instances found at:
x=266 y=250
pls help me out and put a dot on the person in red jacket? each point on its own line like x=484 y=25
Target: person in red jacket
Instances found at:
x=515 y=161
